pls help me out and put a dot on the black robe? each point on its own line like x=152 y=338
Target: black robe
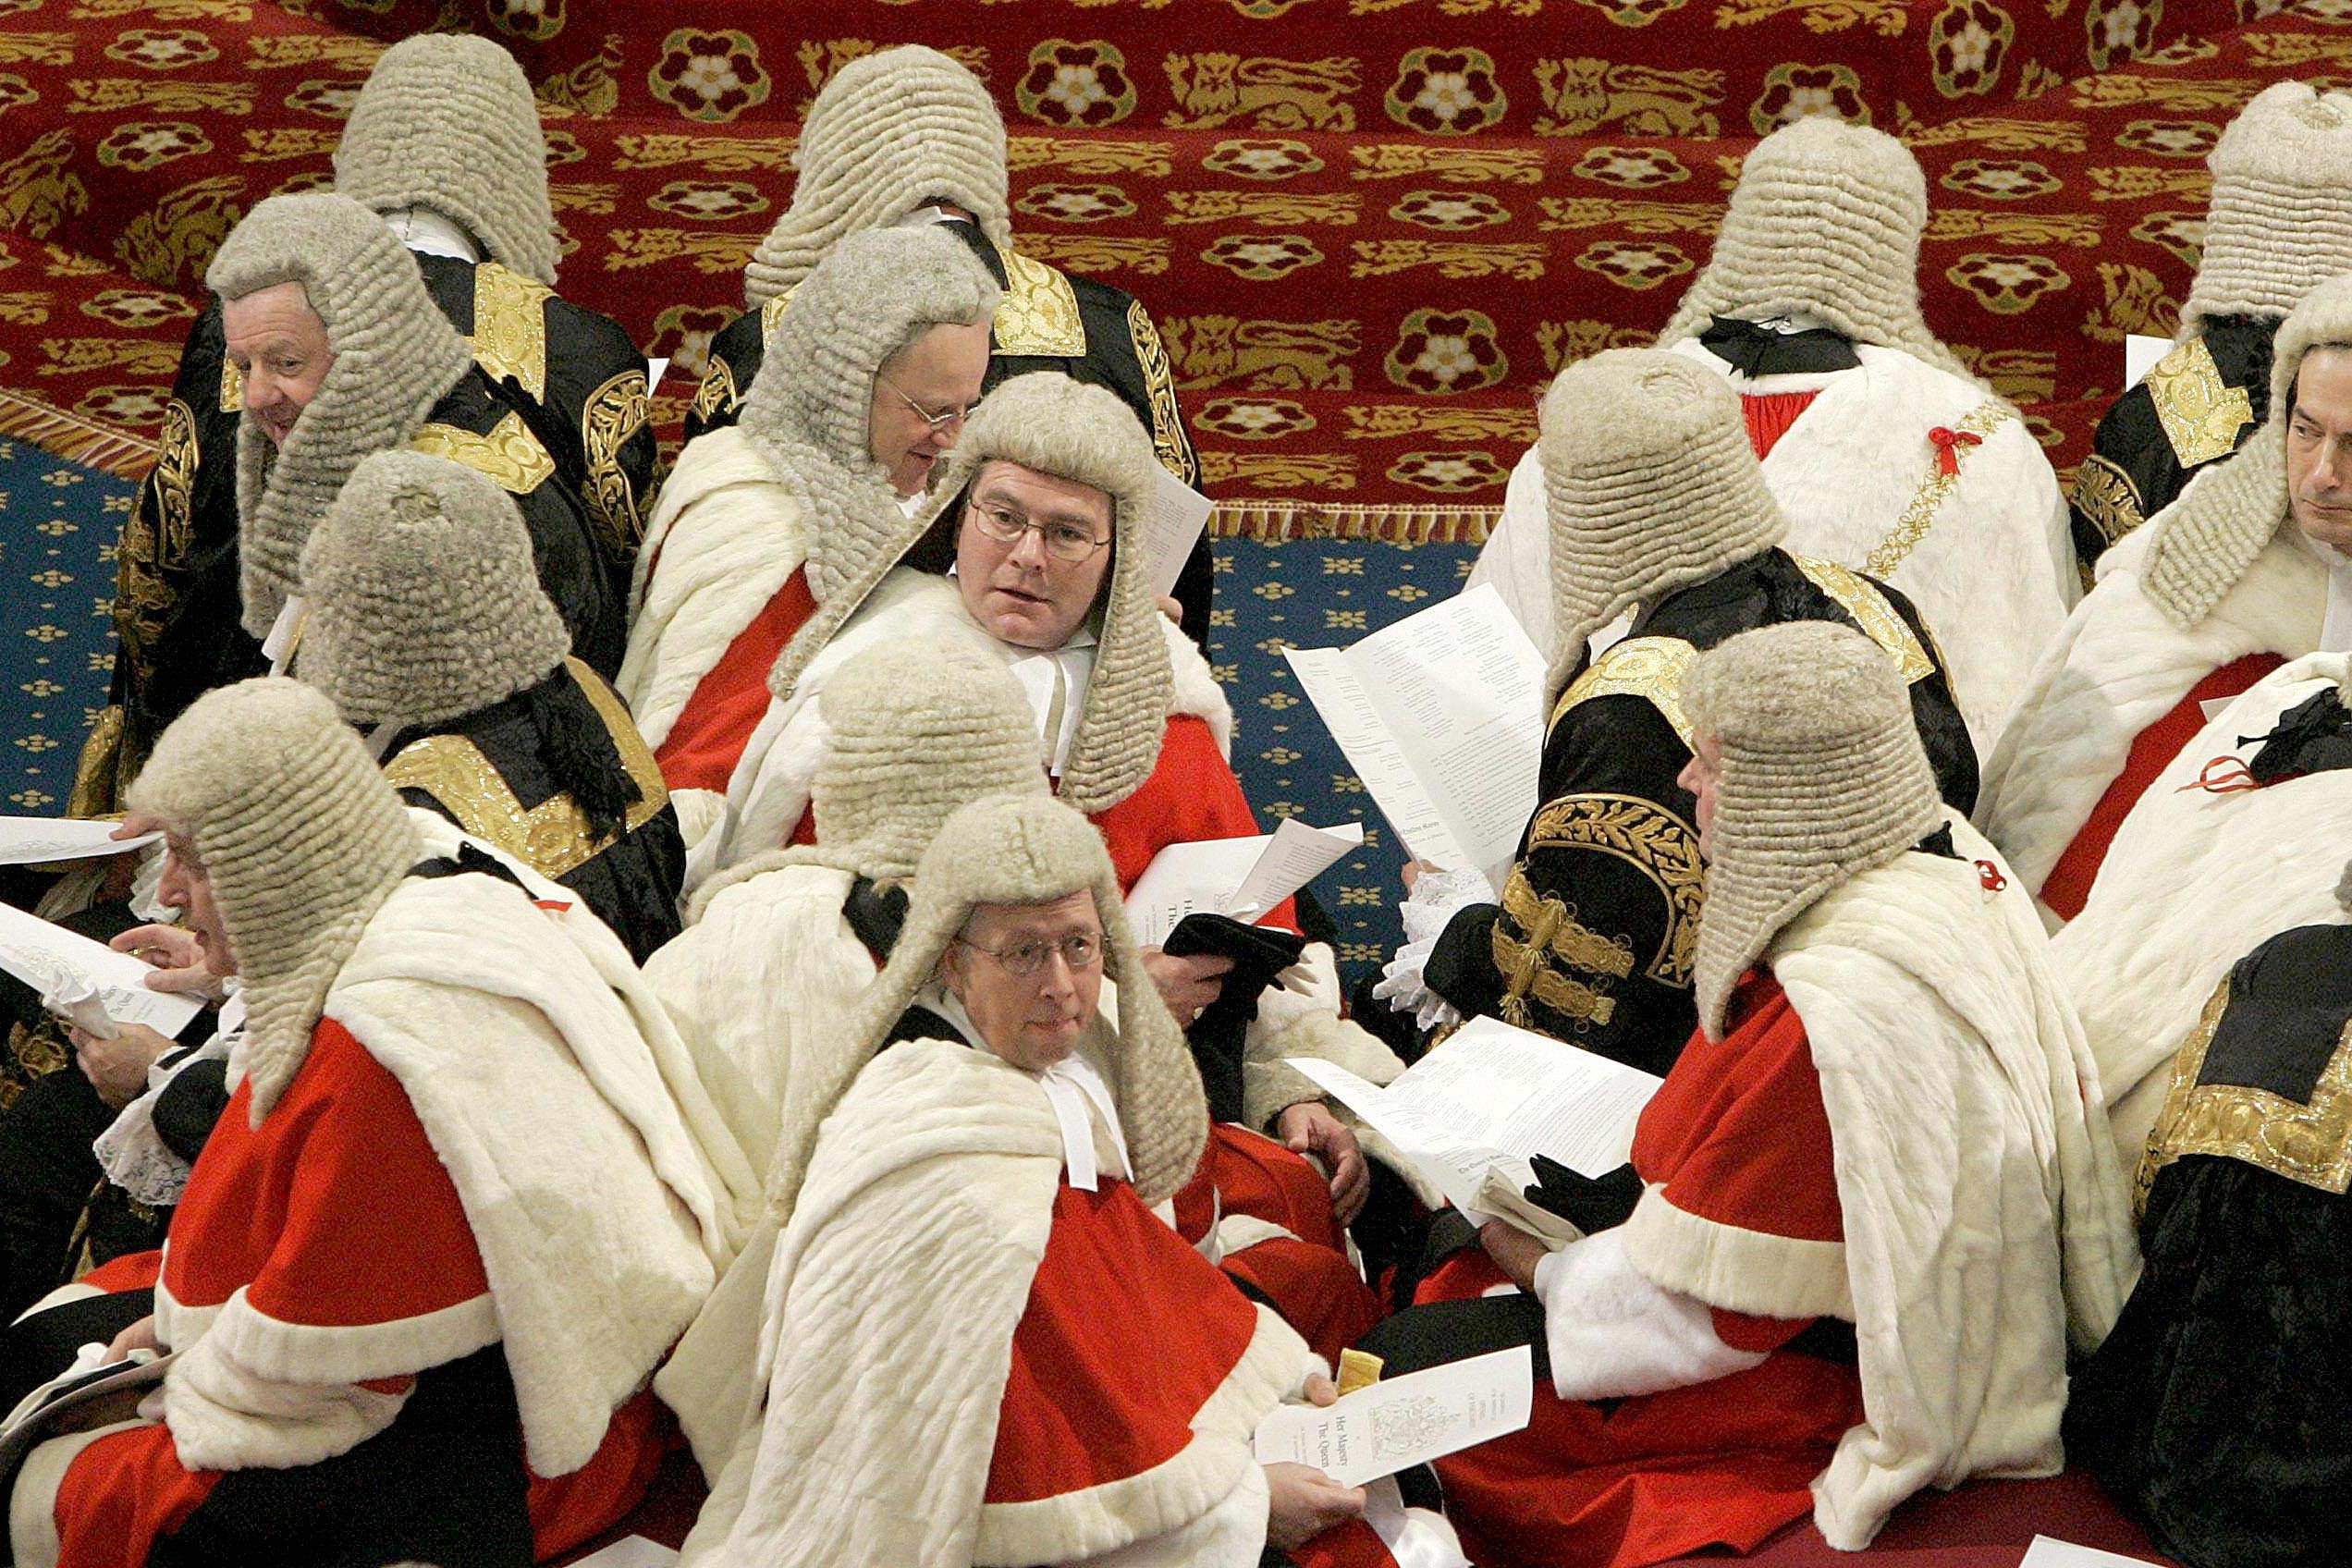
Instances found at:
x=2216 y=1409
x=580 y=465
x=1089 y=331
x=494 y=772
x=1595 y=935
x=2196 y=407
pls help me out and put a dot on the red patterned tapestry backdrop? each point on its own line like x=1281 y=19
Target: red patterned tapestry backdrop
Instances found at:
x=1370 y=229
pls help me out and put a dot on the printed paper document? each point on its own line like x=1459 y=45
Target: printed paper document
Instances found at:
x=1441 y=714
x=51 y=959
x=1241 y=877
x=1400 y=1422
x=1490 y=1101
x=2046 y=1552
x=1172 y=525
x=30 y=840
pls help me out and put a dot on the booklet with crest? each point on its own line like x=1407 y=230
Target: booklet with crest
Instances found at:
x=1473 y=1112
x=1400 y=1422
x=1441 y=715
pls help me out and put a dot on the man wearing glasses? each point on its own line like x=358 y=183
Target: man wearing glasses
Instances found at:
x=876 y=364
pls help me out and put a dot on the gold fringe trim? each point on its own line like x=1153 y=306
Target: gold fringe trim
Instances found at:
x=76 y=437
x=1272 y=522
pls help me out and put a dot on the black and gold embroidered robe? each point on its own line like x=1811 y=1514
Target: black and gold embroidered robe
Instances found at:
x=2196 y=407
x=177 y=607
x=1594 y=939
x=2215 y=1410
x=1050 y=319
x=489 y=772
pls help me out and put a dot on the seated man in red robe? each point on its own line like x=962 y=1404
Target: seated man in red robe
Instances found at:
x=448 y=1223
x=984 y=1342
x=869 y=373
x=2244 y=572
x=1877 y=1200
x=1041 y=510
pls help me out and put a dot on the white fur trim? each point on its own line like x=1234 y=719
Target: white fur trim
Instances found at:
x=725 y=536
x=1736 y=1269
x=2118 y=666
x=1986 y=1222
x=1613 y=1333
x=699 y=810
x=1172 y=1494
x=32 y=1504
x=225 y=1416
x=177 y=1325
x=2193 y=883
x=305 y=1352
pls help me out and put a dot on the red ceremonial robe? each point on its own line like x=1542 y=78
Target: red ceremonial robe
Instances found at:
x=333 y=1224
x=2067 y=887
x=1736 y=1136
x=1193 y=796
x=706 y=740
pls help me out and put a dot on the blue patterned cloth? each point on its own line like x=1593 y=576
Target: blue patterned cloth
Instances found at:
x=58 y=522
x=1320 y=593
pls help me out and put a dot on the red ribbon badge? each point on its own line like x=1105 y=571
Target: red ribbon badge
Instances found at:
x=1948 y=444
x=1989 y=876
x=2221 y=775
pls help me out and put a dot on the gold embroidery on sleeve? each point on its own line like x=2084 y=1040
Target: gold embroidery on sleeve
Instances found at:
x=614 y=413
x=510 y=327
x=509 y=453
x=2310 y=1144
x=2202 y=414
x=552 y=838
x=716 y=394
x=1649 y=668
x=1551 y=935
x=1934 y=490
x=1860 y=598
x=1039 y=315
x=772 y=312
x=2105 y=494
x=232 y=392
x=1168 y=421
x=1653 y=840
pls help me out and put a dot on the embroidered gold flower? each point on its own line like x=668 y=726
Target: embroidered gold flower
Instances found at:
x=1447 y=92
x=117 y=403
x=1631 y=168
x=134 y=309
x=1254 y=419
x=330 y=100
x=1263 y=257
x=711 y=77
x=2169 y=139
x=1967 y=42
x=1634 y=264
x=683 y=333
x=2181 y=233
x=14 y=90
x=1076 y=203
x=1792 y=91
x=2121 y=30
x=2001 y=179
x=1442 y=353
x=162 y=49
x=526 y=19
x=2007 y=284
x=1075 y=84
x=1449 y=473
x=709 y=201
x=138 y=145
x=1247 y=157
x=1450 y=212
x=563 y=148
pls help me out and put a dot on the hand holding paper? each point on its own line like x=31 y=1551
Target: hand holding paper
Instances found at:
x=1240 y=877
x=1400 y=1422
